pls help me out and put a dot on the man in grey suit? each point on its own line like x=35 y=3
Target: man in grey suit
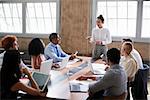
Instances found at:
x=114 y=82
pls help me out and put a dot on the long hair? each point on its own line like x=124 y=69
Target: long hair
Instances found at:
x=11 y=62
x=36 y=47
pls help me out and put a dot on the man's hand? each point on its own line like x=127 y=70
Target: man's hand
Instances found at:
x=90 y=95
x=72 y=56
x=86 y=77
x=55 y=66
x=107 y=67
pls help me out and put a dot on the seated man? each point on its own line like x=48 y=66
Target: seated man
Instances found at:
x=135 y=54
x=114 y=82
x=53 y=49
x=128 y=63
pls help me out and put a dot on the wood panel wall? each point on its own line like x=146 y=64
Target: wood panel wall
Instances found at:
x=75 y=25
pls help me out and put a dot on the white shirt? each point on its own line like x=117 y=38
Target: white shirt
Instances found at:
x=101 y=34
x=135 y=54
x=129 y=65
x=1 y=59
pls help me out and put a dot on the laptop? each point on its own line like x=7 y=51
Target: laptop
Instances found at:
x=63 y=63
x=80 y=86
x=41 y=79
x=97 y=69
x=46 y=66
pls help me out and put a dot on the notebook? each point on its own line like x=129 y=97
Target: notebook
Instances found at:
x=46 y=66
x=41 y=79
x=97 y=69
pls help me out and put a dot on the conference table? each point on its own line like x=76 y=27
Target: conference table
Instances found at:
x=59 y=87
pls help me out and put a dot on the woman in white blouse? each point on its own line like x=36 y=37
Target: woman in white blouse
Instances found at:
x=100 y=38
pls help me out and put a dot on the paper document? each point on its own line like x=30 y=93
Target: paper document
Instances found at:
x=98 y=68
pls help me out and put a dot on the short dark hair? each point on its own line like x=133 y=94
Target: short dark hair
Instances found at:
x=127 y=40
x=113 y=55
x=53 y=36
x=101 y=18
x=36 y=47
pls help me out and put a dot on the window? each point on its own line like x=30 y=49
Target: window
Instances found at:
x=120 y=16
x=41 y=17
x=124 y=18
x=29 y=16
x=11 y=17
x=146 y=19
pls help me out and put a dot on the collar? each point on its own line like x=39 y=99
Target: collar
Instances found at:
x=54 y=45
x=129 y=56
x=99 y=28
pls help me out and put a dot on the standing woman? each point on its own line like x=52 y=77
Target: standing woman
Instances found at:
x=36 y=50
x=100 y=38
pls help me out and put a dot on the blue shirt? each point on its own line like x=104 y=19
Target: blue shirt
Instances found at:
x=54 y=52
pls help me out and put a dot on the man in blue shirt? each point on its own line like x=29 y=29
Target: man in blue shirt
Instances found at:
x=53 y=49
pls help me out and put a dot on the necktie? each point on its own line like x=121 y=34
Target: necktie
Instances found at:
x=57 y=51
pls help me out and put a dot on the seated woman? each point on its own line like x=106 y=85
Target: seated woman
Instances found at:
x=10 y=42
x=10 y=75
x=36 y=50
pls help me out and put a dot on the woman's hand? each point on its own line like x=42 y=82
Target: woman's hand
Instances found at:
x=98 y=42
x=43 y=94
x=26 y=71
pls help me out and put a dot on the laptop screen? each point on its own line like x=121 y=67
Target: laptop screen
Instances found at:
x=64 y=62
x=46 y=66
x=41 y=79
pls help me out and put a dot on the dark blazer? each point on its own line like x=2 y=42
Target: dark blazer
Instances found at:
x=139 y=88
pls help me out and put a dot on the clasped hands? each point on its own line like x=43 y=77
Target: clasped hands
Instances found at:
x=99 y=42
